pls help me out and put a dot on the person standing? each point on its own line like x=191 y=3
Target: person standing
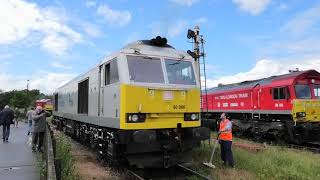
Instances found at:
x=1 y=120
x=225 y=139
x=16 y=117
x=7 y=116
x=29 y=118
x=39 y=128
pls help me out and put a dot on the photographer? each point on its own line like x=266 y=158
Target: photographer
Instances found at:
x=39 y=128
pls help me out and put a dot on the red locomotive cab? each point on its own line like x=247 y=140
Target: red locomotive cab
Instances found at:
x=306 y=86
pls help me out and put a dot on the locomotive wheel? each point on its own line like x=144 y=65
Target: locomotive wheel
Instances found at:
x=280 y=137
x=257 y=136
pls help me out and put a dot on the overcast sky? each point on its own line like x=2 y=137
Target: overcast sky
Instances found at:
x=50 y=42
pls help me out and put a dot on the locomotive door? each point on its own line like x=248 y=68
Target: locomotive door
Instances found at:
x=101 y=90
x=256 y=98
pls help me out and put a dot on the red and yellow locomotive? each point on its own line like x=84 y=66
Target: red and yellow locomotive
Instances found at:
x=285 y=107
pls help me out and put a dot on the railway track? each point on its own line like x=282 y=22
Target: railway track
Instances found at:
x=312 y=147
x=305 y=148
x=177 y=172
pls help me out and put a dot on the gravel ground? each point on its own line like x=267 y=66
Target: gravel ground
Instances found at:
x=88 y=167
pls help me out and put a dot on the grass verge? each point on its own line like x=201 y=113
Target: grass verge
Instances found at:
x=273 y=163
x=63 y=152
x=41 y=166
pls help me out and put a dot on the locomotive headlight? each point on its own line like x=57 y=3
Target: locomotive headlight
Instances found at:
x=136 y=117
x=191 y=116
x=301 y=114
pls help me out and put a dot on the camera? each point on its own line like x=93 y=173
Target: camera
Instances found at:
x=42 y=111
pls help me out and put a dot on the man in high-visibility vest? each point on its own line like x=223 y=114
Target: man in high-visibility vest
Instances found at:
x=225 y=139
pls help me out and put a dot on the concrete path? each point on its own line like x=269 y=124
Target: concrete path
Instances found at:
x=17 y=162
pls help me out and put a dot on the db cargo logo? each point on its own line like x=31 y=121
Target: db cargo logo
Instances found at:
x=232 y=96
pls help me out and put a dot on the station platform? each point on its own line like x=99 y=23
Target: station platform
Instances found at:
x=17 y=161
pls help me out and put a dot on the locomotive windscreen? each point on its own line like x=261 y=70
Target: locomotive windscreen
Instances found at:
x=145 y=69
x=302 y=91
x=180 y=72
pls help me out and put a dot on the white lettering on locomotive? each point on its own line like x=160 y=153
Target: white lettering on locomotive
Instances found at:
x=232 y=96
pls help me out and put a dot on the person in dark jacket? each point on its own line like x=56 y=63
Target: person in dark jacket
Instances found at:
x=7 y=116
x=38 y=128
x=1 y=119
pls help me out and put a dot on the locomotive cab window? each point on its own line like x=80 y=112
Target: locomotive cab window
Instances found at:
x=316 y=90
x=145 y=69
x=180 y=72
x=302 y=91
x=280 y=93
x=111 y=73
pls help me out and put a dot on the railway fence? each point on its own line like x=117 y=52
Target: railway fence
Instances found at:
x=52 y=164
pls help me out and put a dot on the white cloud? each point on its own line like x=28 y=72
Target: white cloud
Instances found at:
x=47 y=82
x=60 y=65
x=92 y=30
x=27 y=18
x=185 y=2
x=114 y=17
x=254 y=7
x=55 y=44
x=308 y=45
x=171 y=29
x=303 y=22
x=266 y=68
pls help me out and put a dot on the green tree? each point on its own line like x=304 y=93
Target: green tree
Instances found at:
x=20 y=99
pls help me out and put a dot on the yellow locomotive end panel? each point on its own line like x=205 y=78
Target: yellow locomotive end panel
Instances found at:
x=306 y=110
x=164 y=108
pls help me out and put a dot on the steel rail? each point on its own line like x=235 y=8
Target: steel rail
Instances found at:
x=193 y=172
x=135 y=175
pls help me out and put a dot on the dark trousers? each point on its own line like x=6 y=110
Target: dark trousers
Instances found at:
x=37 y=139
x=6 y=131
x=226 y=153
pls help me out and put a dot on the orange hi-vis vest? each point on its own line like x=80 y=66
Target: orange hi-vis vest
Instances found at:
x=226 y=135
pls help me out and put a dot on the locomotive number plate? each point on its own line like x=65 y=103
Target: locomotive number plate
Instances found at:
x=179 y=107
x=167 y=95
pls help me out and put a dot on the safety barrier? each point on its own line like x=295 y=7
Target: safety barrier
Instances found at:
x=48 y=155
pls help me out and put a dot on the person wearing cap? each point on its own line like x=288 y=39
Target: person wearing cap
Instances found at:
x=225 y=139
x=7 y=116
x=38 y=128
